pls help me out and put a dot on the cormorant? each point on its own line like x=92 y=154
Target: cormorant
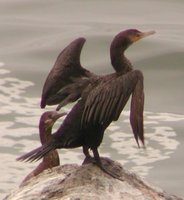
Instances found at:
x=102 y=98
x=50 y=160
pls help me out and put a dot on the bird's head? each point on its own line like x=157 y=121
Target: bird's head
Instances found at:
x=134 y=35
x=120 y=43
x=49 y=118
x=125 y=38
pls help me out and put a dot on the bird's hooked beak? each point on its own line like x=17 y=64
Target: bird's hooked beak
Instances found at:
x=57 y=116
x=50 y=122
x=141 y=35
x=145 y=34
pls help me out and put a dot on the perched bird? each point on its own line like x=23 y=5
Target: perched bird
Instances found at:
x=50 y=160
x=101 y=98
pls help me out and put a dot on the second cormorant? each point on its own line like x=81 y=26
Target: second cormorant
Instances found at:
x=50 y=160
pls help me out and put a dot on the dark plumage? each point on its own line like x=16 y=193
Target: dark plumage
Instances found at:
x=102 y=98
x=66 y=69
x=50 y=160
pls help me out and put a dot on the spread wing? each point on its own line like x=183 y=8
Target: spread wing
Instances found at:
x=66 y=69
x=105 y=102
x=136 y=110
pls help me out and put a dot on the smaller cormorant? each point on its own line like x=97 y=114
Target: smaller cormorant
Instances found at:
x=50 y=160
x=101 y=98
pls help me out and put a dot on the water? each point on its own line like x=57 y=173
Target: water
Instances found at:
x=32 y=35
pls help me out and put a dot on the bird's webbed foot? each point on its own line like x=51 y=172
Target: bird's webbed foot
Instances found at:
x=105 y=167
x=88 y=159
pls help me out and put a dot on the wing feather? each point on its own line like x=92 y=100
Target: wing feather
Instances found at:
x=65 y=70
x=106 y=101
x=136 y=111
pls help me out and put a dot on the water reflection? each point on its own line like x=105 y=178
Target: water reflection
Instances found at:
x=19 y=133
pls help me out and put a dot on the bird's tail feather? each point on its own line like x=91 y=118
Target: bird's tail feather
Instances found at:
x=37 y=153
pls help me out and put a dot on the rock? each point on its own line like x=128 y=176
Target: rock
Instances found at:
x=87 y=182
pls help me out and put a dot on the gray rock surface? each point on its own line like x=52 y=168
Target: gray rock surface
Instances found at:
x=87 y=182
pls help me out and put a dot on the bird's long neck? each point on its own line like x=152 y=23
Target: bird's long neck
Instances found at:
x=118 y=59
x=52 y=158
x=45 y=134
x=120 y=63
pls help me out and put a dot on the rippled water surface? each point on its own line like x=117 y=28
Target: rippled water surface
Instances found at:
x=32 y=33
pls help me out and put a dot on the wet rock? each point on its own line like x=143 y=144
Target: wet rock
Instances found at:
x=88 y=182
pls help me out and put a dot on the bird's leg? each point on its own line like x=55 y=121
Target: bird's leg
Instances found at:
x=88 y=158
x=101 y=166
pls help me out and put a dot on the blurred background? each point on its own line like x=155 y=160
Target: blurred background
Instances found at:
x=32 y=33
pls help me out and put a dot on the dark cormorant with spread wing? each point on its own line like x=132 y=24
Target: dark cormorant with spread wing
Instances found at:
x=101 y=98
